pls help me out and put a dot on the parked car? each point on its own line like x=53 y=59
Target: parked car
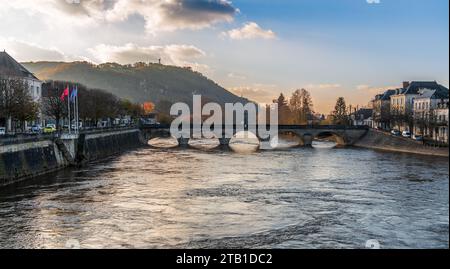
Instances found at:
x=406 y=134
x=36 y=129
x=2 y=131
x=50 y=128
x=80 y=125
x=418 y=137
x=395 y=133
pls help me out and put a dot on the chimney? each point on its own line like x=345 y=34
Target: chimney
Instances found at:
x=405 y=84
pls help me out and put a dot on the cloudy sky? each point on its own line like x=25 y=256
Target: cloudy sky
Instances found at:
x=255 y=48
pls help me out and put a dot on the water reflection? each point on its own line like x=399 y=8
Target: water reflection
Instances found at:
x=319 y=197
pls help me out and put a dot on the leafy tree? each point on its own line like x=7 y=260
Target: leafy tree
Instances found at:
x=148 y=107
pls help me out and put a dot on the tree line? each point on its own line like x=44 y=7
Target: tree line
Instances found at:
x=299 y=110
x=93 y=104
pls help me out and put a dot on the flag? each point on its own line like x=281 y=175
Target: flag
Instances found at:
x=64 y=94
x=74 y=94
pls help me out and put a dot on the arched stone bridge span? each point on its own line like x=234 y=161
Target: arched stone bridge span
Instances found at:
x=343 y=135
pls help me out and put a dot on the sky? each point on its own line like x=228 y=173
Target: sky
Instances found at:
x=254 y=48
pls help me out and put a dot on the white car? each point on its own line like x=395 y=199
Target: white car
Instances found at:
x=406 y=134
x=2 y=131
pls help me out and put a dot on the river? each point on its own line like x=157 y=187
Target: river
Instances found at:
x=320 y=197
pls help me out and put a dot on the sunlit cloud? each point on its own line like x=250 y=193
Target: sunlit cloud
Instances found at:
x=250 y=30
x=370 y=2
x=323 y=86
x=374 y=90
x=258 y=93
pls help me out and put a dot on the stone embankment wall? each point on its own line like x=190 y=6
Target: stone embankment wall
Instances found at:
x=25 y=158
x=90 y=147
x=384 y=141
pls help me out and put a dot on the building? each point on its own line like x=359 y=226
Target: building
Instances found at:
x=440 y=133
x=381 y=110
x=11 y=69
x=362 y=117
x=402 y=103
x=424 y=109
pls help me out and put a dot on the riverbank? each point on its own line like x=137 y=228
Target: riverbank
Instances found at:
x=382 y=141
x=26 y=158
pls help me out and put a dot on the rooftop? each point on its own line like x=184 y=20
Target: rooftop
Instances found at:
x=10 y=67
x=415 y=87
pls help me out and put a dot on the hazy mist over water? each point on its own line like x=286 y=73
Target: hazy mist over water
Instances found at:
x=320 y=197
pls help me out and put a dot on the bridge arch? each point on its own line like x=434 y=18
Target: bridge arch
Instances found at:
x=287 y=133
x=337 y=137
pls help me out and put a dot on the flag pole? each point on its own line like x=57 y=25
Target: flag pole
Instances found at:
x=74 y=110
x=68 y=105
x=78 y=116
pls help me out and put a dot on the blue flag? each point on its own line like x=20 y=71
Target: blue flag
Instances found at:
x=74 y=94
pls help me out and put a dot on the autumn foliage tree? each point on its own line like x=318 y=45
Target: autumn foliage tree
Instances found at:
x=148 y=107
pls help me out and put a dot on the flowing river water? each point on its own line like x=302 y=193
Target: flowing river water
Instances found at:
x=321 y=197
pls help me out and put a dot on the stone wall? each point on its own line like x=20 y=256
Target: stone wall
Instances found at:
x=383 y=141
x=24 y=159
x=102 y=145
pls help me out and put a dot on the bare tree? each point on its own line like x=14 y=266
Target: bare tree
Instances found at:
x=16 y=102
x=52 y=105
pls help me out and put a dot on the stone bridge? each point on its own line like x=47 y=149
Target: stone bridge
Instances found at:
x=342 y=135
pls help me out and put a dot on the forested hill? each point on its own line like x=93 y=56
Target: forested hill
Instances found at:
x=138 y=82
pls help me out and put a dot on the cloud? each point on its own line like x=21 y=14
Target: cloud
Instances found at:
x=374 y=90
x=362 y=87
x=250 y=30
x=180 y=55
x=370 y=2
x=23 y=51
x=257 y=93
x=323 y=86
x=236 y=76
x=159 y=15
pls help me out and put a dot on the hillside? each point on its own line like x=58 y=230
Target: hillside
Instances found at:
x=139 y=82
